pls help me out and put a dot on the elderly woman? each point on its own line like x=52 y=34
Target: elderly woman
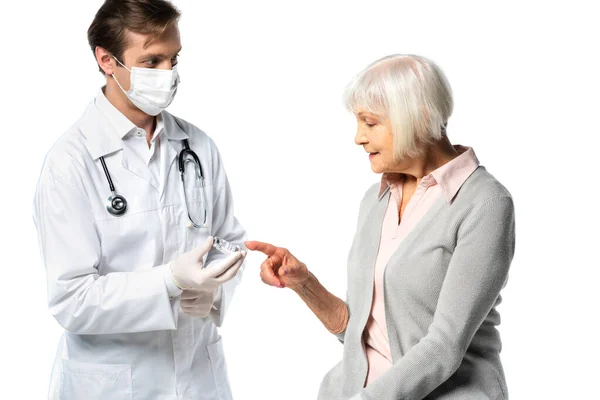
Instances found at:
x=432 y=250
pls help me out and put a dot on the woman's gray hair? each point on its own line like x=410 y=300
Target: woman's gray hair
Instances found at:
x=412 y=92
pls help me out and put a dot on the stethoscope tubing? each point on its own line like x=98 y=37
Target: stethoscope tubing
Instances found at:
x=116 y=204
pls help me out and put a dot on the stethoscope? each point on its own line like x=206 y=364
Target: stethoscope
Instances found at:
x=116 y=204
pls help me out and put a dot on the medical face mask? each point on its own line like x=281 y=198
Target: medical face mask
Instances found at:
x=151 y=90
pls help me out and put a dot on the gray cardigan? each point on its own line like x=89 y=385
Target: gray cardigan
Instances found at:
x=441 y=289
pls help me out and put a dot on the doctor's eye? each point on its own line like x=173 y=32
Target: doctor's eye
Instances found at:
x=175 y=60
x=151 y=61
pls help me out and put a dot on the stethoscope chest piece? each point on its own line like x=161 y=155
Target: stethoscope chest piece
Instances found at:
x=116 y=204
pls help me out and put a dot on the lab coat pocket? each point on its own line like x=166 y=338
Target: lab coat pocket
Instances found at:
x=95 y=381
x=219 y=368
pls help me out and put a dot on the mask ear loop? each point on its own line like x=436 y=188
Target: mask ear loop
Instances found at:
x=123 y=65
x=115 y=78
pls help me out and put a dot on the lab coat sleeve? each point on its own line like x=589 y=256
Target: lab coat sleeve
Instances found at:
x=81 y=300
x=477 y=272
x=226 y=226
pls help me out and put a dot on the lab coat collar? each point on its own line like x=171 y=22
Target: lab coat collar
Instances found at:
x=173 y=127
x=120 y=123
x=122 y=126
x=105 y=127
x=101 y=138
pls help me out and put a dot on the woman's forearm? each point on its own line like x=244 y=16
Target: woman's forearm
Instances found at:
x=330 y=310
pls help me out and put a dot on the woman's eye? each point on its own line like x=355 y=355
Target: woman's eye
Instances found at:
x=370 y=125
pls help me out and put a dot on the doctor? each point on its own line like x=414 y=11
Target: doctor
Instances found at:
x=126 y=240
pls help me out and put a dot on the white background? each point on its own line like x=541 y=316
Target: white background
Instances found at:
x=265 y=79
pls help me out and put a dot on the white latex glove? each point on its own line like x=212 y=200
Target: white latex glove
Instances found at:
x=188 y=272
x=198 y=303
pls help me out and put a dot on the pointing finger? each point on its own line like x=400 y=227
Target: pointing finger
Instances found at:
x=265 y=248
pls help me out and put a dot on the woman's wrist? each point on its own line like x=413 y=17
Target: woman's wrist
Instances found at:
x=340 y=324
x=305 y=287
x=331 y=310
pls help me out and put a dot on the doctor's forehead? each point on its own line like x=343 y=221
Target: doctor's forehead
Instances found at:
x=167 y=44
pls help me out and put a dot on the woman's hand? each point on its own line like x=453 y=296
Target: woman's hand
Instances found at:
x=281 y=268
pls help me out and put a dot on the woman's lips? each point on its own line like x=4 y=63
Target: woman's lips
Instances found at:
x=371 y=155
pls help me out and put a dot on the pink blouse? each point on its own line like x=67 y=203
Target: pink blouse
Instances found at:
x=445 y=181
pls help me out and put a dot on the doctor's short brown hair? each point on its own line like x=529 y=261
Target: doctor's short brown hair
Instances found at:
x=115 y=17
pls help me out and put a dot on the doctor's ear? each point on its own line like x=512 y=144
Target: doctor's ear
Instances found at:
x=105 y=60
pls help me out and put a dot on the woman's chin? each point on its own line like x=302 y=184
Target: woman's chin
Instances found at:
x=376 y=168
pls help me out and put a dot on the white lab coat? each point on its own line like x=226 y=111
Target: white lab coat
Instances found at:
x=125 y=338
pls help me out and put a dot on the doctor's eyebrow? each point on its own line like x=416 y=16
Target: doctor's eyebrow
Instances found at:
x=158 y=55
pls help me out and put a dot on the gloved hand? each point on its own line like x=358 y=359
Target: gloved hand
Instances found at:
x=188 y=272
x=198 y=303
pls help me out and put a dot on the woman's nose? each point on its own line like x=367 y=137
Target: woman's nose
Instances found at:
x=360 y=138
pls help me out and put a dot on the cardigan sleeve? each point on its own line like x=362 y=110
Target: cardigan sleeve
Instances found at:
x=478 y=270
